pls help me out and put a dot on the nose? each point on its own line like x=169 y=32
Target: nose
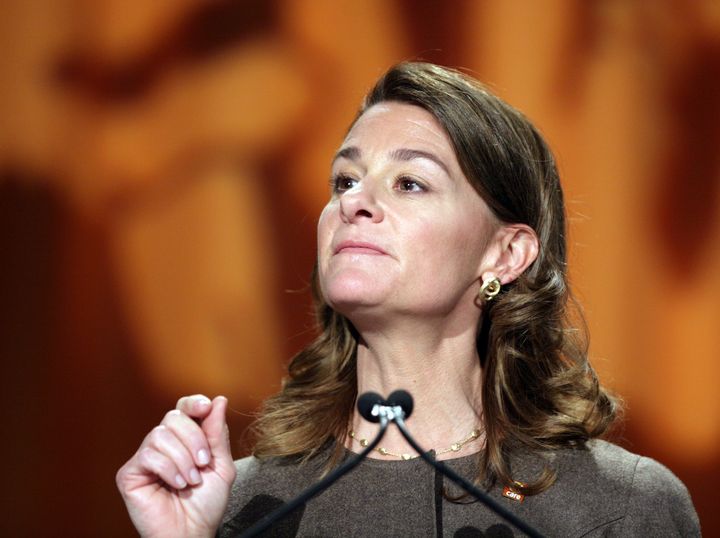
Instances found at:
x=360 y=203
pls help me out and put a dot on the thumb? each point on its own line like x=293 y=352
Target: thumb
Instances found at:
x=216 y=430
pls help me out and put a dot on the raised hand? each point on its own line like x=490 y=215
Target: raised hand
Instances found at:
x=178 y=482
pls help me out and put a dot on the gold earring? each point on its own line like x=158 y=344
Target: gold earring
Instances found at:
x=490 y=288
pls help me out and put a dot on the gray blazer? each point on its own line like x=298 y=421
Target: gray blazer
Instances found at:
x=603 y=490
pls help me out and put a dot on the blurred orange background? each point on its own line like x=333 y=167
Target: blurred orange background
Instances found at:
x=162 y=166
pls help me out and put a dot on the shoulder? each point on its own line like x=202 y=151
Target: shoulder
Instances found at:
x=609 y=465
x=659 y=500
x=273 y=474
x=643 y=478
x=633 y=493
x=246 y=468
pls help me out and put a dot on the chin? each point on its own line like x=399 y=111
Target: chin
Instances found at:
x=349 y=301
x=347 y=295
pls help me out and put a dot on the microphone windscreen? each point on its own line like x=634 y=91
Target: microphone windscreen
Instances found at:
x=403 y=399
x=365 y=404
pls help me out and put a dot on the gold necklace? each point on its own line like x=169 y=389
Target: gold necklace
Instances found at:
x=455 y=447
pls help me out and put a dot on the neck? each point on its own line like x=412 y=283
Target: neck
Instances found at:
x=440 y=368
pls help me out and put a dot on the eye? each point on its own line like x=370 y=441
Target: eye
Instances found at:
x=342 y=183
x=408 y=184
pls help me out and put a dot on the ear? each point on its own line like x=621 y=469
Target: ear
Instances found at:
x=513 y=249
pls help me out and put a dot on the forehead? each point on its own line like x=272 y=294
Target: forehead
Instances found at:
x=392 y=124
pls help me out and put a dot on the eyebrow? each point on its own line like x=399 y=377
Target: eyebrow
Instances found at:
x=405 y=154
x=352 y=153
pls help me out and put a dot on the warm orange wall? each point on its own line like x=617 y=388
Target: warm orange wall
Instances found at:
x=162 y=165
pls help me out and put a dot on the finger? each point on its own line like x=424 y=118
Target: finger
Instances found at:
x=216 y=430
x=190 y=434
x=157 y=463
x=163 y=440
x=195 y=406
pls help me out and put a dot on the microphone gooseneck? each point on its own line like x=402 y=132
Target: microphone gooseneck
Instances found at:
x=481 y=496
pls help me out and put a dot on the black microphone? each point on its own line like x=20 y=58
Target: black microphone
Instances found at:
x=401 y=398
x=371 y=407
x=368 y=405
x=405 y=401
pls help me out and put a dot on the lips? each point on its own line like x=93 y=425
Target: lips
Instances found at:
x=359 y=247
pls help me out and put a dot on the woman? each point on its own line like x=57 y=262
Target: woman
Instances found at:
x=441 y=270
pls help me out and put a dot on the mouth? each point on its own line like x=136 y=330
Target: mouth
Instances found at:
x=359 y=247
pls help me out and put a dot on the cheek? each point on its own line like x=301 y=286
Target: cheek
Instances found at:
x=323 y=228
x=327 y=225
x=454 y=250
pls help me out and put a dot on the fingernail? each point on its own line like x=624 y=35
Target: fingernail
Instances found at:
x=204 y=401
x=203 y=457
x=180 y=481
x=194 y=476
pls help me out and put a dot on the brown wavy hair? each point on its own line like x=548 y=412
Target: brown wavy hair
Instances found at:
x=539 y=391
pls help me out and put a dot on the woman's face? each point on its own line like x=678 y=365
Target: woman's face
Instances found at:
x=404 y=232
